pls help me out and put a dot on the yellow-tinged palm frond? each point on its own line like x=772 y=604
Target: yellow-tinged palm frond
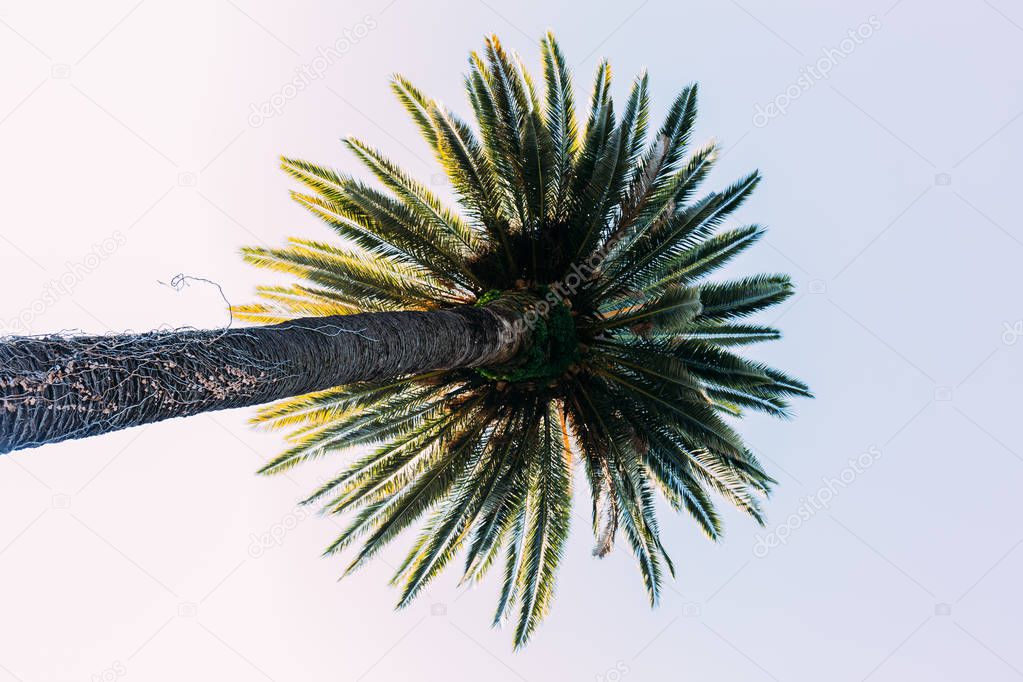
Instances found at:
x=281 y=303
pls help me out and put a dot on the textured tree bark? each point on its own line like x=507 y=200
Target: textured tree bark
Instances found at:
x=53 y=388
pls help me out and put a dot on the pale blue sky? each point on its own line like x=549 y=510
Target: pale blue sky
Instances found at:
x=890 y=190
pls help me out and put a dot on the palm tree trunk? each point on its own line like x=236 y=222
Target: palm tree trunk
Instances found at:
x=53 y=388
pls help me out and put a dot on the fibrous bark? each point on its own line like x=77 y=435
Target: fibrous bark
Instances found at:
x=57 y=387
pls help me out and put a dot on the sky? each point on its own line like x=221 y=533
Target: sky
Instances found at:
x=140 y=141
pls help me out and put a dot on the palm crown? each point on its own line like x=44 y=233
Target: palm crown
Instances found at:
x=598 y=234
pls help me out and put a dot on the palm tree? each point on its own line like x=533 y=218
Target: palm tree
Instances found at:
x=560 y=317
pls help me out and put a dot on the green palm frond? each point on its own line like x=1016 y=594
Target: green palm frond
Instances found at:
x=630 y=372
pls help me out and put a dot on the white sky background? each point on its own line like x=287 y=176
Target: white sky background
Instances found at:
x=890 y=190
